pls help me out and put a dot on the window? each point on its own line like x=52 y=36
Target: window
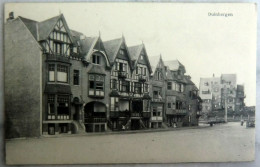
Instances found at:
x=169 y=105
x=137 y=88
x=206 y=92
x=144 y=71
x=57 y=48
x=62 y=73
x=146 y=87
x=121 y=52
x=136 y=70
x=181 y=88
x=189 y=107
x=51 y=106
x=96 y=59
x=169 y=86
x=76 y=77
x=113 y=84
x=96 y=85
x=51 y=72
x=142 y=57
x=125 y=86
x=63 y=105
x=206 y=83
x=114 y=103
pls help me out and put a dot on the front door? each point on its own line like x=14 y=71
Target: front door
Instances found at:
x=135 y=124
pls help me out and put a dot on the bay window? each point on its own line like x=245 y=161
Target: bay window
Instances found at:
x=137 y=88
x=58 y=107
x=96 y=85
x=58 y=73
x=114 y=103
x=51 y=72
x=62 y=73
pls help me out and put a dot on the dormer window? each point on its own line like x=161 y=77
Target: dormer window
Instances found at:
x=142 y=57
x=96 y=59
x=121 y=52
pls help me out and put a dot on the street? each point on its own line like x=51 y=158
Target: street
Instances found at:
x=223 y=142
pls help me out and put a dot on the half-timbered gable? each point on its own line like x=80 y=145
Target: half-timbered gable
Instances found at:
x=56 y=37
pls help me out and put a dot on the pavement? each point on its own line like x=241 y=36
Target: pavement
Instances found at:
x=221 y=143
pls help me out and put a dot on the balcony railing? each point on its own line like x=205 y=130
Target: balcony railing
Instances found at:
x=176 y=112
x=58 y=117
x=158 y=118
x=142 y=78
x=122 y=74
x=116 y=114
x=146 y=114
x=95 y=120
x=134 y=114
x=56 y=57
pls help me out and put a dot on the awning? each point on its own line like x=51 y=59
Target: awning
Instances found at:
x=57 y=88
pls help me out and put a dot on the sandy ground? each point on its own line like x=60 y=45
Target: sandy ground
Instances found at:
x=225 y=142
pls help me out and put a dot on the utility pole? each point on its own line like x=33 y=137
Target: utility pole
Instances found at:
x=225 y=117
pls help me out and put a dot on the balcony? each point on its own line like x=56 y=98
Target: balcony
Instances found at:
x=60 y=58
x=146 y=114
x=117 y=114
x=142 y=78
x=135 y=114
x=122 y=74
x=176 y=112
x=158 y=118
x=157 y=99
x=95 y=120
x=59 y=117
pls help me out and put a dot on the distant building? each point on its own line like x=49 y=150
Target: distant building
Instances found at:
x=220 y=92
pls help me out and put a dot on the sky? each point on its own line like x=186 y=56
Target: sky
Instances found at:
x=204 y=44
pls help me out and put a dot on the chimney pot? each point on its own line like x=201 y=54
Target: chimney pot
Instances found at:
x=11 y=16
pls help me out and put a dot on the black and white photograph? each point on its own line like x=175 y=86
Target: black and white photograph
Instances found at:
x=129 y=83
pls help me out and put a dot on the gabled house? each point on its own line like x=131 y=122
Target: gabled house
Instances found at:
x=193 y=102
x=91 y=80
x=67 y=73
x=157 y=91
x=140 y=116
x=120 y=83
x=175 y=93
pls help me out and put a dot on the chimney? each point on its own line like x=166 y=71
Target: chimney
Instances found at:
x=213 y=75
x=11 y=16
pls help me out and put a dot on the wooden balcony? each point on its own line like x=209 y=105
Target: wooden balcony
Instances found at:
x=122 y=74
x=146 y=114
x=176 y=112
x=142 y=78
x=135 y=114
x=59 y=58
x=117 y=114
x=95 y=120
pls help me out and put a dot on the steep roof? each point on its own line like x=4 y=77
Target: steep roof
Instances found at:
x=41 y=30
x=135 y=52
x=173 y=65
x=112 y=47
x=31 y=25
x=154 y=61
x=45 y=27
x=87 y=45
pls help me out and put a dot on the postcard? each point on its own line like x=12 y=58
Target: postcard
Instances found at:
x=110 y=83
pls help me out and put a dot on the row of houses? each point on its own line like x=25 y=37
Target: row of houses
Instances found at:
x=58 y=80
x=218 y=93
